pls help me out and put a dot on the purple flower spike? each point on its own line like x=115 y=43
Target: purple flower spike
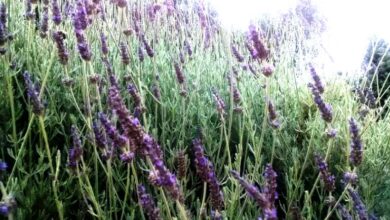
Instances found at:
x=317 y=81
x=262 y=51
x=80 y=21
x=356 y=155
x=33 y=94
x=57 y=19
x=148 y=48
x=344 y=212
x=147 y=204
x=63 y=54
x=359 y=206
x=127 y=157
x=4 y=209
x=141 y=55
x=326 y=176
x=205 y=170
x=103 y=41
x=272 y=115
x=261 y=199
x=119 y=140
x=267 y=69
x=124 y=53
x=3 y=14
x=219 y=103
x=237 y=54
x=325 y=109
x=3 y=166
x=76 y=152
x=100 y=137
x=188 y=48
x=271 y=185
x=83 y=46
x=44 y=24
x=179 y=73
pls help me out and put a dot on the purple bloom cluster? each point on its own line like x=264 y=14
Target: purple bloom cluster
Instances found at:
x=261 y=199
x=152 y=10
x=76 y=151
x=267 y=69
x=3 y=25
x=356 y=155
x=148 y=48
x=350 y=177
x=261 y=50
x=162 y=176
x=237 y=54
x=124 y=53
x=63 y=54
x=270 y=183
x=33 y=94
x=325 y=108
x=3 y=14
x=181 y=164
x=138 y=109
x=147 y=204
x=141 y=55
x=83 y=46
x=205 y=170
x=272 y=115
x=316 y=78
x=326 y=176
x=188 y=48
x=100 y=137
x=44 y=24
x=29 y=14
x=80 y=19
x=344 y=212
x=219 y=103
x=359 y=206
x=103 y=41
x=57 y=19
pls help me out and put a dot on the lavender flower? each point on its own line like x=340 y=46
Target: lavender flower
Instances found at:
x=100 y=137
x=147 y=204
x=44 y=25
x=220 y=104
x=356 y=155
x=141 y=55
x=118 y=139
x=325 y=109
x=271 y=185
x=80 y=21
x=205 y=170
x=262 y=51
x=124 y=53
x=83 y=46
x=164 y=177
x=272 y=115
x=331 y=133
x=29 y=14
x=261 y=199
x=103 y=41
x=181 y=164
x=344 y=212
x=57 y=19
x=252 y=51
x=3 y=14
x=350 y=177
x=326 y=176
x=76 y=151
x=3 y=166
x=267 y=69
x=137 y=99
x=63 y=54
x=359 y=206
x=317 y=81
x=33 y=94
x=179 y=74
x=148 y=48
x=3 y=34
x=156 y=91
x=237 y=54
x=4 y=209
x=121 y=3
x=188 y=48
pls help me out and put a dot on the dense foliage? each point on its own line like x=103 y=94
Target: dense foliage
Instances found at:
x=151 y=110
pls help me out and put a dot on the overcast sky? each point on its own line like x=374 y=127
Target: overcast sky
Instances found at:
x=351 y=23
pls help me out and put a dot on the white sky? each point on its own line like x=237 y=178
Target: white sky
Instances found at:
x=350 y=23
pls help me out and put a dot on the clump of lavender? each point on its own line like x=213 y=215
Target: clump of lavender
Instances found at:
x=180 y=79
x=272 y=115
x=83 y=46
x=356 y=155
x=76 y=151
x=350 y=177
x=261 y=199
x=141 y=55
x=33 y=94
x=235 y=93
x=237 y=54
x=205 y=170
x=44 y=24
x=152 y=10
x=219 y=103
x=325 y=109
x=326 y=176
x=316 y=78
x=148 y=48
x=270 y=183
x=103 y=42
x=124 y=53
x=358 y=205
x=366 y=96
x=63 y=54
x=262 y=51
x=57 y=19
x=147 y=204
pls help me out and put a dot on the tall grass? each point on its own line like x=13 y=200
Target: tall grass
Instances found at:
x=155 y=169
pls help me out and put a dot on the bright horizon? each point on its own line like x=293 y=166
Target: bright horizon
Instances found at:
x=350 y=24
